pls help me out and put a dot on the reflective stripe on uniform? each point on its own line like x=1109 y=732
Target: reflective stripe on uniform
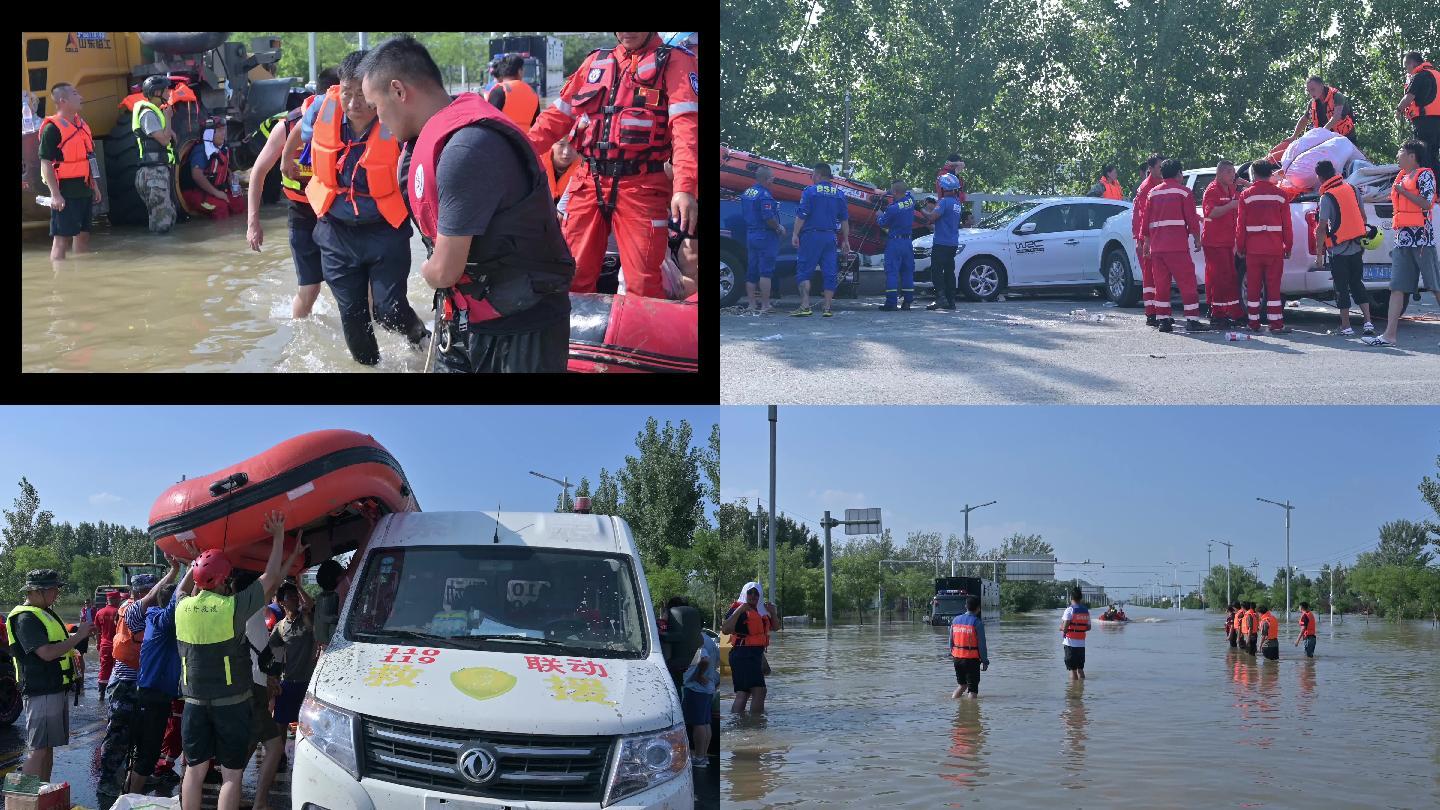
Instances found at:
x=564 y=107
x=683 y=107
x=1259 y=228
x=1266 y=197
x=1156 y=192
x=1164 y=222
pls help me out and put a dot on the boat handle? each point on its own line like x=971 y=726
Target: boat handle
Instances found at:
x=224 y=485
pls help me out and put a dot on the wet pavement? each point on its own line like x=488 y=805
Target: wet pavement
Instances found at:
x=1168 y=716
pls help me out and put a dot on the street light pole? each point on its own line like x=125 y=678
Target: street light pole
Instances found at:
x=774 y=417
x=1227 y=546
x=1208 y=545
x=967 y=510
x=1288 y=509
x=564 y=486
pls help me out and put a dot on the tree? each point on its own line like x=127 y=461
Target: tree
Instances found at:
x=88 y=573
x=1402 y=543
x=1241 y=582
x=21 y=561
x=28 y=525
x=661 y=495
x=957 y=548
x=607 y=495
x=710 y=462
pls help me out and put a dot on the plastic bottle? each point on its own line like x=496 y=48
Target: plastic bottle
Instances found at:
x=45 y=201
x=1232 y=336
x=234 y=185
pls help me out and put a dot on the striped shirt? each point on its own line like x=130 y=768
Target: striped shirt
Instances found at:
x=134 y=619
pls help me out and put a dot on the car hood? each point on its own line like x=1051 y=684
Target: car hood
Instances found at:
x=535 y=691
x=965 y=235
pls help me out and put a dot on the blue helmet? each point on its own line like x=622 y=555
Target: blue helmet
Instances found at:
x=949 y=182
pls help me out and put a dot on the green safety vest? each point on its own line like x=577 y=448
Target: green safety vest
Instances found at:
x=54 y=631
x=210 y=651
x=140 y=138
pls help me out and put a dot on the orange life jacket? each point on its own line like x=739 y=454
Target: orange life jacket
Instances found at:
x=1245 y=622
x=1112 y=189
x=964 y=643
x=756 y=633
x=126 y=647
x=1352 y=216
x=1407 y=213
x=1307 y=624
x=76 y=146
x=1269 y=626
x=381 y=163
x=557 y=187
x=181 y=94
x=1079 y=623
x=1344 y=126
x=521 y=103
x=1433 y=108
x=129 y=101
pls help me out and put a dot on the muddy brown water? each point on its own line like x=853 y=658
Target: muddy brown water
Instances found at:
x=1168 y=717
x=195 y=299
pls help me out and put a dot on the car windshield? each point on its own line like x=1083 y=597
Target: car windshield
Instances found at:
x=1006 y=215
x=499 y=598
x=950 y=604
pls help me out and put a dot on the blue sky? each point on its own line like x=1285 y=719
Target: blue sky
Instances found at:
x=1131 y=487
x=111 y=462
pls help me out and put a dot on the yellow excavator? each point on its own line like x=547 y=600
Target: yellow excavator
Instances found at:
x=219 y=78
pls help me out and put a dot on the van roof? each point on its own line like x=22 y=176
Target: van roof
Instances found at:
x=536 y=529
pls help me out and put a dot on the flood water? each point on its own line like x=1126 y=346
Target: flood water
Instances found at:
x=1167 y=717
x=195 y=299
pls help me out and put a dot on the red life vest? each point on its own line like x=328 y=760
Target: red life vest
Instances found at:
x=1307 y=624
x=381 y=163
x=1352 y=216
x=1433 y=108
x=964 y=642
x=629 y=109
x=1344 y=126
x=757 y=630
x=76 y=146
x=521 y=255
x=1112 y=189
x=1079 y=623
x=126 y=648
x=1407 y=213
x=217 y=169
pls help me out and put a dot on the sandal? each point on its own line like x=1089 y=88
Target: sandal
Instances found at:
x=1369 y=328
x=1378 y=341
x=1347 y=332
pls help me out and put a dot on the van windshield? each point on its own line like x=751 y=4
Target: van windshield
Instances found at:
x=500 y=598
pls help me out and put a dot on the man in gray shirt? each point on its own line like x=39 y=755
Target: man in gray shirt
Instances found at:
x=295 y=635
x=1347 y=265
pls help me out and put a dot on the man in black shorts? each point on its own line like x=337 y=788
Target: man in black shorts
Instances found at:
x=67 y=152
x=967 y=649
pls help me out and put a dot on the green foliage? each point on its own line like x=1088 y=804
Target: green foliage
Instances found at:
x=21 y=561
x=88 y=573
x=1402 y=543
x=1037 y=97
x=661 y=495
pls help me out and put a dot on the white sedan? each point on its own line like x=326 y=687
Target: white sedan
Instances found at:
x=1045 y=243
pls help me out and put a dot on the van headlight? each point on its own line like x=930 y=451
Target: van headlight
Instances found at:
x=331 y=731
x=647 y=760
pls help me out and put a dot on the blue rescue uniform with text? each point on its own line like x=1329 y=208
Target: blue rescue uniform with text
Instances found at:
x=947 y=227
x=823 y=207
x=899 y=219
x=762 y=243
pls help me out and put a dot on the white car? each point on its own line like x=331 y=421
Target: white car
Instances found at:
x=1045 y=243
x=1115 y=252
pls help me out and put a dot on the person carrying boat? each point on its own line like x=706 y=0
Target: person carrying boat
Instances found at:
x=1074 y=624
x=156 y=141
x=824 y=209
x=498 y=261
x=751 y=619
x=123 y=700
x=210 y=630
x=899 y=220
x=967 y=649
x=1307 y=630
x=763 y=232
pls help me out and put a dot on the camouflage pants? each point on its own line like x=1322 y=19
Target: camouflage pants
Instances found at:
x=115 y=750
x=152 y=183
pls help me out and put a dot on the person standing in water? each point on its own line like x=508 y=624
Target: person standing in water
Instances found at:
x=751 y=619
x=1269 y=634
x=967 y=649
x=1230 y=611
x=1074 y=625
x=1307 y=630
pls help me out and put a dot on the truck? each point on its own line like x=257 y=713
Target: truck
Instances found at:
x=1120 y=265
x=229 y=80
x=951 y=594
x=544 y=61
x=492 y=659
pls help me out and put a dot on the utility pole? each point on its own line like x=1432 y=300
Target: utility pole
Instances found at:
x=1228 y=547
x=967 y=510
x=1288 y=509
x=1208 y=545
x=759 y=516
x=774 y=417
x=827 y=524
x=845 y=158
x=313 y=70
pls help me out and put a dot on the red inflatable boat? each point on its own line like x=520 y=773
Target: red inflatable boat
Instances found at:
x=737 y=173
x=331 y=485
x=629 y=334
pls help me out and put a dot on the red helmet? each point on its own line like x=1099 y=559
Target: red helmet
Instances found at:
x=211 y=568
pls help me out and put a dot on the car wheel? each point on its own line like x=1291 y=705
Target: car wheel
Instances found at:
x=982 y=279
x=1120 y=286
x=732 y=266
x=11 y=703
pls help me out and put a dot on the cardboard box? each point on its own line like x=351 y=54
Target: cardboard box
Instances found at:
x=58 y=799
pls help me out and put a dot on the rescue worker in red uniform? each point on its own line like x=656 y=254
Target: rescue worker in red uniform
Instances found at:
x=1263 y=236
x=1421 y=103
x=498 y=261
x=105 y=619
x=1222 y=277
x=637 y=106
x=1166 y=218
x=1147 y=278
x=1327 y=108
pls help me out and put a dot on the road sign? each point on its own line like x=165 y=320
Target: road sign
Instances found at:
x=1030 y=569
x=862 y=521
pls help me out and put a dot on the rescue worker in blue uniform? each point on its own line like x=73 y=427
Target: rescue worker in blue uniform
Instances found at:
x=762 y=239
x=946 y=220
x=899 y=219
x=824 y=209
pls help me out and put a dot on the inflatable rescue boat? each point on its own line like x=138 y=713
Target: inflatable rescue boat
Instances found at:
x=332 y=486
x=737 y=173
x=632 y=334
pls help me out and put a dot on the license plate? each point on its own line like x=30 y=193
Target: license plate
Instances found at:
x=1376 y=272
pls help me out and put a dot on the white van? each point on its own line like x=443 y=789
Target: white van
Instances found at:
x=494 y=660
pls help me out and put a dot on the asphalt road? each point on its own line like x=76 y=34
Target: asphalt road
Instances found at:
x=1028 y=350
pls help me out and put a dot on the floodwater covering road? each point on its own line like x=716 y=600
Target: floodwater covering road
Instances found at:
x=195 y=299
x=1168 y=717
